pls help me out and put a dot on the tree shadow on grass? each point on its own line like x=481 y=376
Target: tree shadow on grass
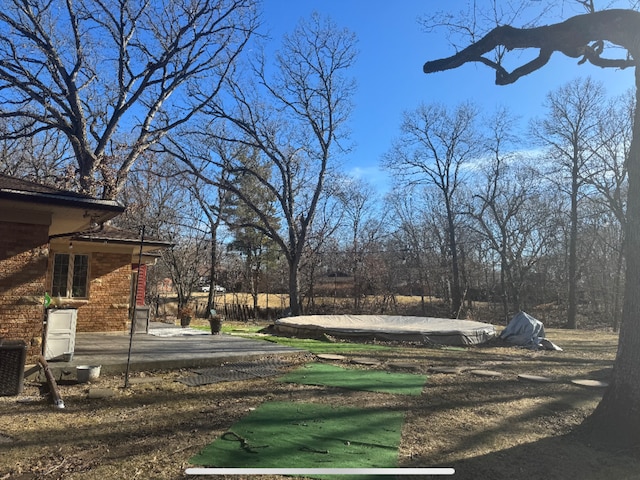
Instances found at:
x=568 y=456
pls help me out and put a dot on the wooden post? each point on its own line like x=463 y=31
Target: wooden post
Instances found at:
x=51 y=382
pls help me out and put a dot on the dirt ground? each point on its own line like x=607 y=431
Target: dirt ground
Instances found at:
x=484 y=427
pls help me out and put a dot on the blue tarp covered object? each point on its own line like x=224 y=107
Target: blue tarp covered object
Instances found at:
x=525 y=331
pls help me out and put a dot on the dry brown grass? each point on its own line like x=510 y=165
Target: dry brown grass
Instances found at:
x=486 y=428
x=279 y=299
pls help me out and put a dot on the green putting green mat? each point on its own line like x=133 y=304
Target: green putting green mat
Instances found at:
x=308 y=435
x=357 y=379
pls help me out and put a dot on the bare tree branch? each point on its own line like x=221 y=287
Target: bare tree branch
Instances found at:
x=108 y=74
x=581 y=36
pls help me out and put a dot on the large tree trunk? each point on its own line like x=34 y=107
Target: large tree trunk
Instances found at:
x=295 y=305
x=211 y=298
x=617 y=418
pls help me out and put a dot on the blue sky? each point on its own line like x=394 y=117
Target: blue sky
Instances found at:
x=392 y=49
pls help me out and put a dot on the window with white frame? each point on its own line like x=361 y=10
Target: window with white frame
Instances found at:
x=70 y=275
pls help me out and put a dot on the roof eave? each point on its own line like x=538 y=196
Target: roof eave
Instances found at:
x=108 y=206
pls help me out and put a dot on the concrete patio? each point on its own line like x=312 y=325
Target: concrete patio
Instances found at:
x=165 y=347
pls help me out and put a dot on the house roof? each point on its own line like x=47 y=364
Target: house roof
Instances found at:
x=64 y=211
x=75 y=216
x=12 y=188
x=111 y=234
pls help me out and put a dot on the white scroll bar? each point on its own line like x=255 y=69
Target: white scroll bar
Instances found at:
x=320 y=471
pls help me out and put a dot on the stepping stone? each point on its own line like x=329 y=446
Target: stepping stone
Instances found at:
x=486 y=373
x=590 y=383
x=100 y=393
x=330 y=356
x=452 y=370
x=403 y=365
x=365 y=361
x=534 y=378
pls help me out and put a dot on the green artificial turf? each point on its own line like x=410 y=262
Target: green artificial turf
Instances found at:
x=357 y=379
x=308 y=435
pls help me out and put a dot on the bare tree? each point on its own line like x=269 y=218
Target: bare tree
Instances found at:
x=321 y=253
x=572 y=134
x=508 y=211
x=617 y=417
x=418 y=254
x=432 y=149
x=600 y=247
x=294 y=119
x=608 y=176
x=41 y=158
x=159 y=196
x=253 y=244
x=213 y=202
x=112 y=78
x=363 y=223
x=608 y=169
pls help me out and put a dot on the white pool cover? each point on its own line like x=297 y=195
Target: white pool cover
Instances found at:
x=441 y=331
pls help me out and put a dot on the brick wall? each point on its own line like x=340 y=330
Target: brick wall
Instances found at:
x=24 y=260
x=107 y=308
x=109 y=294
x=23 y=265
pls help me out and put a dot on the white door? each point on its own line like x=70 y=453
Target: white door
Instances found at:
x=61 y=333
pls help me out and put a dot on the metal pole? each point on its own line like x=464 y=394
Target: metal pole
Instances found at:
x=135 y=304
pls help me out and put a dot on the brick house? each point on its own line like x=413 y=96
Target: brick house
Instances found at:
x=57 y=242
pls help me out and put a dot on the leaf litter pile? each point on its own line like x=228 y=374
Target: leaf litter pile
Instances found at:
x=484 y=426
